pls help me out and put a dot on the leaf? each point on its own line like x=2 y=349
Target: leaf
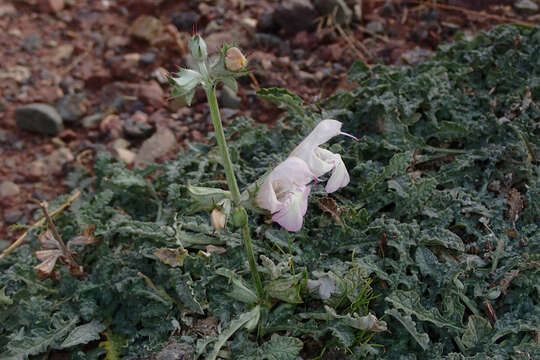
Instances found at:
x=83 y=334
x=281 y=348
x=478 y=332
x=367 y=322
x=36 y=341
x=284 y=99
x=406 y=320
x=234 y=325
x=113 y=344
x=4 y=299
x=286 y=290
x=185 y=293
x=230 y=82
x=173 y=257
x=441 y=237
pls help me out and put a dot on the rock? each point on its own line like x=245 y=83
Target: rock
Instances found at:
x=92 y=121
x=157 y=145
x=295 y=15
x=235 y=34
x=8 y=188
x=416 y=55
x=126 y=156
x=62 y=52
x=7 y=9
x=343 y=13
x=40 y=118
x=137 y=126
x=11 y=216
x=161 y=75
x=152 y=94
x=72 y=107
x=176 y=351
x=229 y=98
x=111 y=125
x=142 y=6
x=185 y=20
x=177 y=103
x=250 y=24
x=119 y=143
x=147 y=58
x=375 y=27
x=17 y=72
x=266 y=22
x=31 y=42
x=117 y=41
x=36 y=170
x=147 y=28
x=56 y=160
x=526 y=6
x=51 y=6
x=124 y=67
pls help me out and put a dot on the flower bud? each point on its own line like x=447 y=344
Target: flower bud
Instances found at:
x=217 y=219
x=235 y=60
x=240 y=217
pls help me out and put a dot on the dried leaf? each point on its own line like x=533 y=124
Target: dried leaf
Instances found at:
x=172 y=257
x=515 y=205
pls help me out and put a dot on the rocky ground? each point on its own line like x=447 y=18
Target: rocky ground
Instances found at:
x=79 y=77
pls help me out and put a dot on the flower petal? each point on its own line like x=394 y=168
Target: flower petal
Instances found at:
x=340 y=176
x=291 y=215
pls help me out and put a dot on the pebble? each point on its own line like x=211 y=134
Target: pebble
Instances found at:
x=137 y=126
x=526 y=6
x=126 y=156
x=8 y=188
x=111 y=125
x=176 y=351
x=7 y=9
x=119 y=143
x=266 y=23
x=343 y=13
x=295 y=15
x=92 y=121
x=151 y=93
x=229 y=98
x=40 y=118
x=157 y=145
x=147 y=58
x=416 y=55
x=117 y=41
x=62 y=52
x=375 y=27
x=51 y=6
x=71 y=107
x=146 y=28
x=56 y=160
x=31 y=42
x=185 y=20
x=11 y=216
x=36 y=170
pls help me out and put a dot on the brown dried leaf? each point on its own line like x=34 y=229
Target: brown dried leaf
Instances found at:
x=215 y=249
x=508 y=277
x=48 y=241
x=86 y=238
x=515 y=204
x=49 y=258
x=172 y=257
x=330 y=206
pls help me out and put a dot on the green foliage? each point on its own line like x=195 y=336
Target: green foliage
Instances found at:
x=438 y=239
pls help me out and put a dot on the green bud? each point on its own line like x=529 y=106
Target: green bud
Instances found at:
x=197 y=47
x=240 y=217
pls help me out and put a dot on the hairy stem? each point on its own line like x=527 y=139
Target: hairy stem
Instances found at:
x=233 y=185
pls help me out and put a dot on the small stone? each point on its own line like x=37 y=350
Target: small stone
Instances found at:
x=72 y=107
x=126 y=156
x=147 y=58
x=8 y=188
x=40 y=118
x=184 y=21
x=176 y=351
x=416 y=55
x=31 y=42
x=11 y=216
x=146 y=28
x=124 y=67
x=250 y=24
x=117 y=41
x=91 y=121
x=51 y=6
x=526 y=6
x=7 y=9
x=236 y=33
x=62 y=52
x=375 y=27
x=177 y=103
x=266 y=22
x=137 y=126
x=229 y=98
x=18 y=73
x=56 y=160
x=157 y=145
x=295 y=15
x=111 y=125
x=343 y=13
x=152 y=94
x=119 y=143
x=161 y=75
x=36 y=170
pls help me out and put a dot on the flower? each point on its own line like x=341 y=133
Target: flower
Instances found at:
x=285 y=193
x=321 y=161
x=235 y=60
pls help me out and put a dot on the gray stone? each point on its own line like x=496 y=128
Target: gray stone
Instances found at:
x=526 y=6
x=146 y=28
x=40 y=118
x=176 y=351
x=343 y=13
x=11 y=216
x=295 y=15
x=71 y=107
x=31 y=42
x=229 y=98
x=416 y=55
x=185 y=20
x=8 y=188
x=375 y=27
x=92 y=121
x=137 y=127
x=157 y=145
x=147 y=58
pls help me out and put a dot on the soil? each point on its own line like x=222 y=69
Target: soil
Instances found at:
x=91 y=48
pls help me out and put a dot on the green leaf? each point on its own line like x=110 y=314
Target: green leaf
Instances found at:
x=478 y=332
x=182 y=286
x=406 y=320
x=281 y=348
x=234 y=325
x=284 y=99
x=287 y=290
x=83 y=334
x=113 y=345
x=230 y=82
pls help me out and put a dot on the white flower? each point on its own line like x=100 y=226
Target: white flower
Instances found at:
x=285 y=193
x=321 y=161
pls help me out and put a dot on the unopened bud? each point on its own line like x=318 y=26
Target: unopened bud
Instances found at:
x=240 y=217
x=217 y=219
x=235 y=60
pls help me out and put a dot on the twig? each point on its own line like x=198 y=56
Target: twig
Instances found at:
x=369 y=32
x=38 y=223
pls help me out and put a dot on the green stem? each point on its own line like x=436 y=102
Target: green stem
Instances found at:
x=233 y=185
